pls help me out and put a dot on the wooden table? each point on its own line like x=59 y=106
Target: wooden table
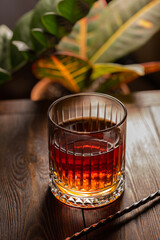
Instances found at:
x=28 y=210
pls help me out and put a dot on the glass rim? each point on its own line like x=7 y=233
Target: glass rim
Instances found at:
x=86 y=94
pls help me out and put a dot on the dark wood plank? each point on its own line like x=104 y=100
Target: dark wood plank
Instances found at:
x=28 y=210
x=142 y=178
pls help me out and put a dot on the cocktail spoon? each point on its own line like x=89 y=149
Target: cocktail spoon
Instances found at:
x=114 y=216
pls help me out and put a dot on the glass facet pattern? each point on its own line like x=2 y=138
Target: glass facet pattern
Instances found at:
x=87 y=134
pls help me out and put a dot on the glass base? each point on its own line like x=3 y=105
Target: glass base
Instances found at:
x=87 y=199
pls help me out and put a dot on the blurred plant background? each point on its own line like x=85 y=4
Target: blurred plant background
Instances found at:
x=56 y=50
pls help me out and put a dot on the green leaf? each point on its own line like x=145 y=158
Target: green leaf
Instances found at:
x=5 y=37
x=4 y=75
x=31 y=37
x=68 y=70
x=44 y=38
x=115 y=80
x=23 y=48
x=39 y=35
x=114 y=30
x=100 y=70
x=56 y=25
x=124 y=28
x=21 y=42
x=41 y=8
x=73 y=10
x=109 y=76
x=21 y=31
x=79 y=40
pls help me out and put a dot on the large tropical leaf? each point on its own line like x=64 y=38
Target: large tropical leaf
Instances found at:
x=5 y=37
x=68 y=70
x=82 y=36
x=124 y=28
x=106 y=77
x=112 y=31
x=101 y=70
x=109 y=75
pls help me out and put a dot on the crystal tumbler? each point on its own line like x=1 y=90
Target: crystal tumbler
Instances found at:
x=87 y=134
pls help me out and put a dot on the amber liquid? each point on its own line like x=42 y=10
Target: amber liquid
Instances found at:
x=87 y=163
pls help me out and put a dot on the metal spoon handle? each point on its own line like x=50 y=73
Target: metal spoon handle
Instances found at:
x=116 y=215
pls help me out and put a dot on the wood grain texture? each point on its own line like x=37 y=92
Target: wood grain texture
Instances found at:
x=142 y=178
x=28 y=209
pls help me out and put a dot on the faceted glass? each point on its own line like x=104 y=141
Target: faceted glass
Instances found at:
x=87 y=134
